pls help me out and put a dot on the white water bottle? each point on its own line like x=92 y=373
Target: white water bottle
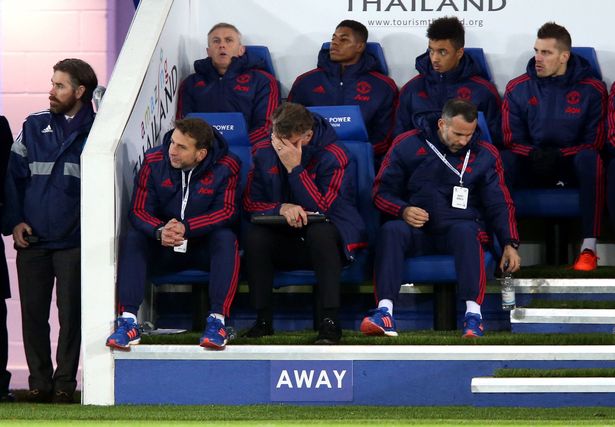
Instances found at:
x=508 y=292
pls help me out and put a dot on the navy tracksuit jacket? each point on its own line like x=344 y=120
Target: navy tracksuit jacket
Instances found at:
x=567 y=113
x=212 y=209
x=360 y=84
x=425 y=95
x=413 y=175
x=43 y=181
x=245 y=88
x=325 y=182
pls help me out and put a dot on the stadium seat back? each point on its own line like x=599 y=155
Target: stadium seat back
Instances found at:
x=261 y=52
x=346 y=120
x=231 y=125
x=589 y=53
x=478 y=55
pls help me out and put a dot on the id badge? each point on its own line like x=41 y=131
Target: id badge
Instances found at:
x=460 y=197
x=183 y=248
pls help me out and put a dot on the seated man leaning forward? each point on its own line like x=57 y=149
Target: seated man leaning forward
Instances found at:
x=444 y=189
x=183 y=206
x=302 y=169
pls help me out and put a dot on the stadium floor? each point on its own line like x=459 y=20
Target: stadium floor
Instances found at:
x=19 y=414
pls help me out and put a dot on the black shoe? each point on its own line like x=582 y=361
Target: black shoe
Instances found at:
x=329 y=332
x=38 y=396
x=7 y=397
x=261 y=328
x=61 y=396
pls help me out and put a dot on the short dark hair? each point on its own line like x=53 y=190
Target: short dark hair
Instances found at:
x=291 y=119
x=448 y=28
x=459 y=107
x=197 y=129
x=81 y=74
x=551 y=30
x=359 y=30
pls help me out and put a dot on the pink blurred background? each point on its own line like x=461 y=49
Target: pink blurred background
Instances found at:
x=34 y=35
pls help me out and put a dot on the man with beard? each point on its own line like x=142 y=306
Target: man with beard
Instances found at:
x=230 y=80
x=442 y=186
x=43 y=215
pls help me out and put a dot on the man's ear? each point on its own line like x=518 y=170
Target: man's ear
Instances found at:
x=79 y=91
x=242 y=50
x=201 y=154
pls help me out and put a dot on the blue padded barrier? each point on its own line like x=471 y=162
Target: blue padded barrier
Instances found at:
x=346 y=120
x=589 y=53
x=478 y=55
x=231 y=125
x=261 y=52
x=439 y=268
x=375 y=49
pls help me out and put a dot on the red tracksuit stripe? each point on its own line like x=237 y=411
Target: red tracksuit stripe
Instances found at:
x=230 y=296
x=490 y=87
x=141 y=197
x=506 y=129
x=227 y=211
x=482 y=281
x=272 y=103
x=600 y=182
x=381 y=203
x=499 y=167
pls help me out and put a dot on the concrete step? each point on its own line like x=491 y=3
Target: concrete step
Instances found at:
x=561 y=320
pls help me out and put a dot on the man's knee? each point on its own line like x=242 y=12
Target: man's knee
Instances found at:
x=256 y=237
x=222 y=236
x=321 y=234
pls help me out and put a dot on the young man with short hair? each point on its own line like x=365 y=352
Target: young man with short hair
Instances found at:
x=446 y=72
x=553 y=123
x=348 y=75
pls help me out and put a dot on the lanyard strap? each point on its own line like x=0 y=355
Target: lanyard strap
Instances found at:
x=443 y=158
x=185 y=192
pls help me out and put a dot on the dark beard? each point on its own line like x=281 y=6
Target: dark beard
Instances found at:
x=62 y=108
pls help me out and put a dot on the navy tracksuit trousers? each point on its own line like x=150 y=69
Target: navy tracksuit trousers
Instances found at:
x=584 y=170
x=398 y=240
x=140 y=256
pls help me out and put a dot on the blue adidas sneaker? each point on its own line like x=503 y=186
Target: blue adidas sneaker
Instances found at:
x=126 y=333
x=379 y=322
x=473 y=326
x=215 y=335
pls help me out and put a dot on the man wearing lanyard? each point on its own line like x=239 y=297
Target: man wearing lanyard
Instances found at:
x=183 y=207
x=442 y=189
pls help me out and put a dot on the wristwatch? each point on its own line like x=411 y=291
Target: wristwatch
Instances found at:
x=159 y=233
x=513 y=243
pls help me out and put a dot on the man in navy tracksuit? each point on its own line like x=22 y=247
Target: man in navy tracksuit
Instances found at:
x=6 y=140
x=183 y=206
x=445 y=72
x=347 y=75
x=229 y=80
x=610 y=153
x=553 y=121
x=302 y=169
x=43 y=214
x=445 y=190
